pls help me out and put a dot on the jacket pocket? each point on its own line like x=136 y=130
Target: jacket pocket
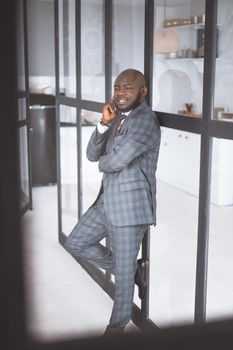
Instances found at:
x=133 y=185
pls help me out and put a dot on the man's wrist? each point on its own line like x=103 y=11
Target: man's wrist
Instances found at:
x=104 y=124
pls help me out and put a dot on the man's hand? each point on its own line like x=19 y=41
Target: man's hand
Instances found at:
x=109 y=112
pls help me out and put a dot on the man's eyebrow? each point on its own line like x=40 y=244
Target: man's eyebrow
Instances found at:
x=126 y=84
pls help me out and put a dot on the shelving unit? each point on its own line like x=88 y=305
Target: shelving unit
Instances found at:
x=192 y=26
x=191 y=45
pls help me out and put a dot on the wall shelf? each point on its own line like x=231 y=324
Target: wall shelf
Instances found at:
x=185 y=26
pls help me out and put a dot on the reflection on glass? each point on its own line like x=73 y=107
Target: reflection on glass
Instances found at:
x=223 y=102
x=68 y=166
x=89 y=117
x=178 y=57
x=174 y=239
x=67 y=114
x=92 y=50
x=90 y=172
x=22 y=113
x=128 y=35
x=220 y=264
x=67 y=56
x=23 y=167
x=20 y=47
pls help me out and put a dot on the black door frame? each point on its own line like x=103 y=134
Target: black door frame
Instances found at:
x=206 y=127
x=14 y=334
x=24 y=94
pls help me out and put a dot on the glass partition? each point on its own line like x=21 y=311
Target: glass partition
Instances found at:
x=223 y=102
x=128 y=35
x=220 y=267
x=22 y=108
x=92 y=50
x=178 y=57
x=173 y=241
x=68 y=168
x=23 y=166
x=21 y=80
x=67 y=47
x=91 y=177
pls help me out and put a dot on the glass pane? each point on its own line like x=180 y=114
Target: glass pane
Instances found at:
x=67 y=55
x=220 y=265
x=23 y=166
x=128 y=35
x=68 y=114
x=68 y=166
x=223 y=102
x=178 y=57
x=174 y=239
x=92 y=50
x=91 y=177
x=20 y=47
x=22 y=109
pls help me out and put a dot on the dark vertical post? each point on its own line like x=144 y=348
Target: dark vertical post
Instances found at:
x=25 y=31
x=205 y=166
x=108 y=17
x=148 y=71
x=149 y=47
x=12 y=303
x=108 y=49
x=66 y=34
x=57 y=88
x=78 y=111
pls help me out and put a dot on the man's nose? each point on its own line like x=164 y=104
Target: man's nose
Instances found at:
x=121 y=91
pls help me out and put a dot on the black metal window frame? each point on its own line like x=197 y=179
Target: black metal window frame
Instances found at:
x=206 y=127
x=24 y=94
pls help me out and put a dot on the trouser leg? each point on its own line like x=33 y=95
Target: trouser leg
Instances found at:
x=121 y=260
x=125 y=243
x=83 y=242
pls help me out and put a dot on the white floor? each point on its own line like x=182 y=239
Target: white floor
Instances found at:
x=63 y=301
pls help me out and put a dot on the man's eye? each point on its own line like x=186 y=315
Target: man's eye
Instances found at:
x=123 y=88
x=128 y=88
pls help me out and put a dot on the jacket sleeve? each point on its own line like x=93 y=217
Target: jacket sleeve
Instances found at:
x=96 y=145
x=143 y=134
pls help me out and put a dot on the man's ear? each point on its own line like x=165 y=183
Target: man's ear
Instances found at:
x=144 y=91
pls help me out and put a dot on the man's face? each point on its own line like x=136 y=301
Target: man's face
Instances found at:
x=128 y=92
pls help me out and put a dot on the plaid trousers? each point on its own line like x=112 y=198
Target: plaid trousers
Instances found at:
x=120 y=259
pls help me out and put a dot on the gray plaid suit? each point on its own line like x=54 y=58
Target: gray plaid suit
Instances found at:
x=125 y=206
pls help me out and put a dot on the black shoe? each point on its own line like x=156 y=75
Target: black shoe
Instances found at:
x=141 y=277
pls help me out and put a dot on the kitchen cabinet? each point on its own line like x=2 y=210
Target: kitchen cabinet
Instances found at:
x=179 y=160
x=179 y=164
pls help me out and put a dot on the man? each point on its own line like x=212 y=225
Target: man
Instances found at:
x=126 y=145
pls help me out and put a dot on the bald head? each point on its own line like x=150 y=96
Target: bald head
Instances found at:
x=129 y=89
x=133 y=75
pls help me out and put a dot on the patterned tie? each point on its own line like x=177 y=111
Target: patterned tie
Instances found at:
x=118 y=123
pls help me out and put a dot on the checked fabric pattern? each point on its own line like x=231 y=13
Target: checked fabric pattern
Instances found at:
x=128 y=162
x=120 y=260
x=125 y=205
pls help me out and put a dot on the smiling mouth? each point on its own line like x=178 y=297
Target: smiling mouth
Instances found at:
x=121 y=100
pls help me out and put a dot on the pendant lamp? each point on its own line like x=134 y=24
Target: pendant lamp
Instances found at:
x=166 y=40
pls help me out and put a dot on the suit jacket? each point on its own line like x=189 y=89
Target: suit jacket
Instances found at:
x=128 y=162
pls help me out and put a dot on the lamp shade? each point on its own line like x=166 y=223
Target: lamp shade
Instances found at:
x=166 y=40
